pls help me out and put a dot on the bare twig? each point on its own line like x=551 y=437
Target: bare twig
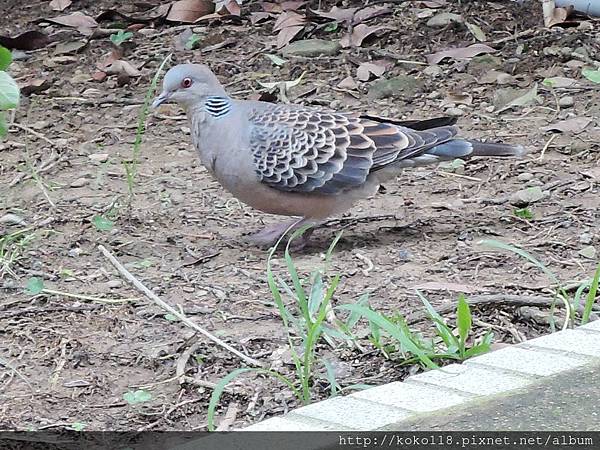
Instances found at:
x=138 y=285
x=37 y=135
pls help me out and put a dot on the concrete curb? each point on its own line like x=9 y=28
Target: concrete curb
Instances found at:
x=496 y=373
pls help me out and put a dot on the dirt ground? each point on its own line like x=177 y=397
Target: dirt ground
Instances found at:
x=62 y=165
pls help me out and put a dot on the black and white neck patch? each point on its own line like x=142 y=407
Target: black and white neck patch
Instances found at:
x=217 y=106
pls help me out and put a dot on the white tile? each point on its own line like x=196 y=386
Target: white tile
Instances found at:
x=287 y=423
x=472 y=379
x=412 y=396
x=576 y=342
x=352 y=413
x=529 y=362
x=594 y=326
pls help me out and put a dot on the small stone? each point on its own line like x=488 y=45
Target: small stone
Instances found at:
x=504 y=78
x=526 y=176
x=79 y=182
x=583 y=51
x=433 y=71
x=184 y=154
x=575 y=64
x=98 y=157
x=402 y=85
x=113 y=284
x=176 y=198
x=482 y=64
x=442 y=19
x=312 y=47
x=588 y=252
x=526 y=196
x=455 y=112
x=566 y=102
x=585 y=238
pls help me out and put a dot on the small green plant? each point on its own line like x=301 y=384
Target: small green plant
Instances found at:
x=561 y=293
x=77 y=426
x=523 y=213
x=9 y=90
x=12 y=248
x=456 y=348
x=591 y=74
x=120 y=37
x=131 y=166
x=331 y=27
x=192 y=41
x=305 y=325
x=136 y=397
x=303 y=329
x=102 y=223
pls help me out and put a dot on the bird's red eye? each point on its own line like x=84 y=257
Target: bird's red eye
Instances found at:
x=186 y=82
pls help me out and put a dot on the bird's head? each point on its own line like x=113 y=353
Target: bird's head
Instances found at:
x=188 y=84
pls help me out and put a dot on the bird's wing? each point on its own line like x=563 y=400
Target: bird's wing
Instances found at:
x=299 y=149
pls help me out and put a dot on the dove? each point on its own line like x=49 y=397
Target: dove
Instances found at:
x=304 y=162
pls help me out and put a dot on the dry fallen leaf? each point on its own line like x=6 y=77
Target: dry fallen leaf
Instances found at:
x=83 y=23
x=458 y=98
x=433 y=3
x=228 y=7
x=289 y=24
x=364 y=14
x=553 y=15
x=348 y=83
x=121 y=66
x=30 y=40
x=366 y=69
x=339 y=14
x=281 y=7
x=257 y=17
x=33 y=85
x=359 y=34
x=459 y=53
x=189 y=11
x=148 y=16
x=69 y=47
x=60 y=5
x=575 y=125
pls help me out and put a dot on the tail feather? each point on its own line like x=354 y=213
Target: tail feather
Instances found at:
x=494 y=149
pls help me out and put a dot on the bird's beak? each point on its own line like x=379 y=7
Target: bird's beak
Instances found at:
x=163 y=97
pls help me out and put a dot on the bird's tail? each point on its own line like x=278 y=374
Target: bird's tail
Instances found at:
x=494 y=149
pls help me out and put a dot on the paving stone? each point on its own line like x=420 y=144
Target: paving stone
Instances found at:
x=472 y=379
x=529 y=362
x=594 y=326
x=412 y=396
x=352 y=413
x=572 y=341
x=294 y=423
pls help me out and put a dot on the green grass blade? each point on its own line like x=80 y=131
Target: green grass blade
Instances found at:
x=394 y=331
x=354 y=316
x=501 y=245
x=591 y=297
x=463 y=319
x=444 y=330
x=334 y=387
x=317 y=294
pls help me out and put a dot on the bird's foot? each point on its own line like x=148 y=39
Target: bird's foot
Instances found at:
x=269 y=235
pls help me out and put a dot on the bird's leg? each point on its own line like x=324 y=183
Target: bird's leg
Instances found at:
x=268 y=236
